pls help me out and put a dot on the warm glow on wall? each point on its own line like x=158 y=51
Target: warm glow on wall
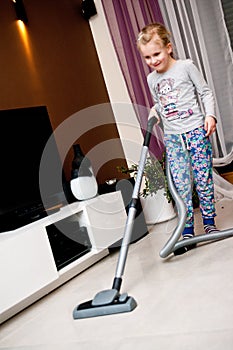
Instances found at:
x=24 y=36
x=23 y=31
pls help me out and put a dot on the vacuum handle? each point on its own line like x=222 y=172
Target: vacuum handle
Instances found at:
x=151 y=122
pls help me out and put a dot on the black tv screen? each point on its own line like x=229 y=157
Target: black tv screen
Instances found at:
x=24 y=135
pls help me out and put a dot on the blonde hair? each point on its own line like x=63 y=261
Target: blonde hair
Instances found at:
x=147 y=33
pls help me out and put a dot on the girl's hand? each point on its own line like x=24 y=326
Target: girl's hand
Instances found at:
x=210 y=125
x=153 y=113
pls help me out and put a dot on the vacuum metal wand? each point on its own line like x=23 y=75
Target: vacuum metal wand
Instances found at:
x=133 y=206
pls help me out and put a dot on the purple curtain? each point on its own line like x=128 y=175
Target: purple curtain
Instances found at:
x=125 y=20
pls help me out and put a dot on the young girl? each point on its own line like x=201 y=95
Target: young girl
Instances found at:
x=175 y=86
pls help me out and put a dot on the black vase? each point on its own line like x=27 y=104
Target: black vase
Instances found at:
x=83 y=182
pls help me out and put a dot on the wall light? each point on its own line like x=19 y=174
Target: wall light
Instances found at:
x=20 y=10
x=88 y=9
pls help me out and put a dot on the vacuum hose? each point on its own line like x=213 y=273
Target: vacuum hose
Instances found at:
x=173 y=244
x=182 y=215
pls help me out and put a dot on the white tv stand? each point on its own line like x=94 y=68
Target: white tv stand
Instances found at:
x=27 y=266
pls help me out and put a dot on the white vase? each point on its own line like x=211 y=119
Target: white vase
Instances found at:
x=83 y=183
x=156 y=208
x=84 y=187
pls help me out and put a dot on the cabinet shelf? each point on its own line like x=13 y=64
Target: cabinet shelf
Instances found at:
x=30 y=264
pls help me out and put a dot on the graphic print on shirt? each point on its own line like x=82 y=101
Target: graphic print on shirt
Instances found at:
x=168 y=98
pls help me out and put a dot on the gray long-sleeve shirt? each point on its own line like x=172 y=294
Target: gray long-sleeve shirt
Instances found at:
x=175 y=95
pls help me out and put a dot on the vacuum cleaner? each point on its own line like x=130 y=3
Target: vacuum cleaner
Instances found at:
x=173 y=244
x=110 y=301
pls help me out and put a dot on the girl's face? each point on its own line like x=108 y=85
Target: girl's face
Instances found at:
x=156 y=55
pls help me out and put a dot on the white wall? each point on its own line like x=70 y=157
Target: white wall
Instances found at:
x=126 y=119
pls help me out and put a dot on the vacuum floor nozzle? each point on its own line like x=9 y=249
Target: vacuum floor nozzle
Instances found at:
x=106 y=302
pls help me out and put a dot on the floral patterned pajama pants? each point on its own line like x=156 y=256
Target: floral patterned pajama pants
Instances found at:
x=190 y=159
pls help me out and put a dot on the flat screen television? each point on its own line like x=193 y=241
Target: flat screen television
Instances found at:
x=24 y=134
